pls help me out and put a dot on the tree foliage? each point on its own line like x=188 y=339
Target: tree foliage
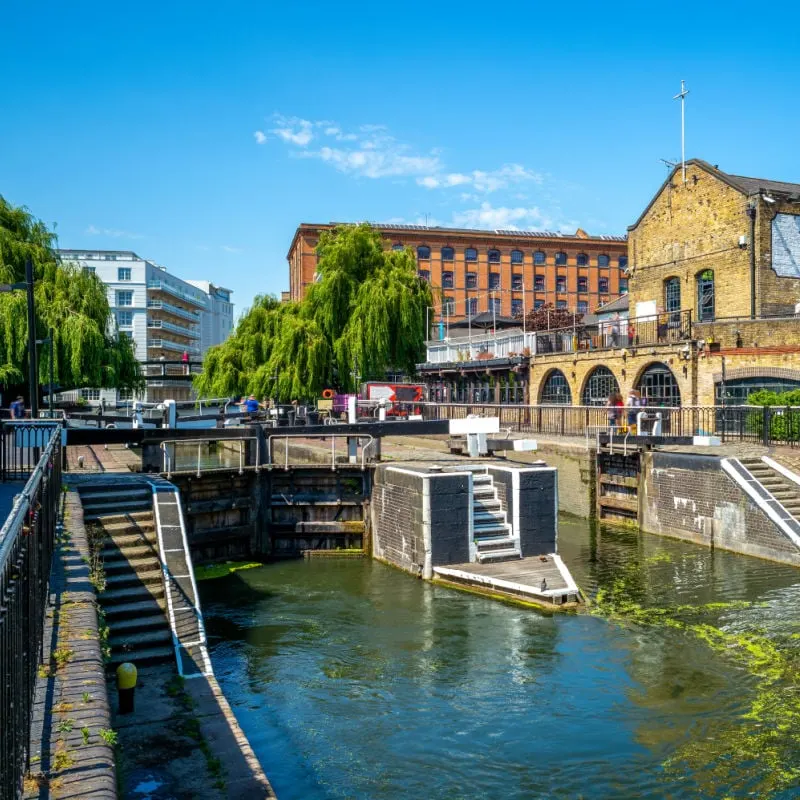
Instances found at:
x=366 y=313
x=86 y=349
x=549 y=318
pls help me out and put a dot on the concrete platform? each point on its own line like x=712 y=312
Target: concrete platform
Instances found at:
x=520 y=578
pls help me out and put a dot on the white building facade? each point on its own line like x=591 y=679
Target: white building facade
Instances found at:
x=216 y=322
x=164 y=315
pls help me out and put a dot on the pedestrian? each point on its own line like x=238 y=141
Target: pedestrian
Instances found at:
x=615 y=331
x=613 y=405
x=185 y=359
x=632 y=404
x=18 y=408
x=251 y=405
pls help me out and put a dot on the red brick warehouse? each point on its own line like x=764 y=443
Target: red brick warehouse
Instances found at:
x=474 y=269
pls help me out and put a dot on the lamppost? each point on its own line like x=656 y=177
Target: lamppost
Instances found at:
x=49 y=340
x=27 y=285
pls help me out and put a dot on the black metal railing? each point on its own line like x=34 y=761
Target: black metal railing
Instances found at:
x=26 y=551
x=767 y=425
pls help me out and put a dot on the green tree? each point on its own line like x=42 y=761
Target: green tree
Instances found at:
x=86 y=349
x=365 y=314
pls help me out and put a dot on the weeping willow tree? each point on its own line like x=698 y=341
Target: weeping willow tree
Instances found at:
x=364 y=315
x=86 y=348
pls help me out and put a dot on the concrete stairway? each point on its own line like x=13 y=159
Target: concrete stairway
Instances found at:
x=133 y=600
x=786 y=492
x=492 y=533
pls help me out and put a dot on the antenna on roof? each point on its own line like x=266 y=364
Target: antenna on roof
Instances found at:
x=669 y=164
x=682 y=95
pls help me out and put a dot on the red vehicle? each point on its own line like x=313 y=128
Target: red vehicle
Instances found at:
x=402 y=399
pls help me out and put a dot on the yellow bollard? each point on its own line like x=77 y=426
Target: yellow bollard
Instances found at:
x=126 y=685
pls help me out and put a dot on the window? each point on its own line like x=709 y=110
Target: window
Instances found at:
x=539 y=257
x=658 y=385
x=125 y=394
x=124 y=298
x=109 y=257
x=561 y=259
x=89 y=270
x=602 y=261
x=583 y=283
x=425 y=275
x=600 y=384
x=90 y=394
x=516 y=282
x=561 y=283
x=538 y=304
x=447 y=280
x=126 y=334
x=516 y=308
x=423 y=252
x=538 y=283
x=582 y=260
x=494 y=305
x=583 y=307
x=449 y=306
x=123 y=273
x=602 y=285
x=448 y=254
x=555 y=390
x=705 y=295
x=472 y=280
x=622 y=262
x=470 y=254
x=398 y=246
x=561 y=304
x=494 y=280
x=516 y=256
x=494 y=256
x=623 y=286
x=125 y=319
x=738 y=390
x=472 y=306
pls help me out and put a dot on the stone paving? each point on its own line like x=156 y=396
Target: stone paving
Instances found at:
x=102 y=458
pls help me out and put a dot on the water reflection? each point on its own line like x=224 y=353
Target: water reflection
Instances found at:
x=354 y=680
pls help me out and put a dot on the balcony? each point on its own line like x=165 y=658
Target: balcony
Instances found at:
x=178 y=330
x=167 y=344
x=163 y=286
x=168 y=308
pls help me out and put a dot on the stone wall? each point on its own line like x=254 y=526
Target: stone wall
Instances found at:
x=691 y=497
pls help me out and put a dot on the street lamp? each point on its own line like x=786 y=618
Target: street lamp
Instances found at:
x=49 y=340
x=28 y=286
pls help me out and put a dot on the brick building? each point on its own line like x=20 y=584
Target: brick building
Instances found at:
x=476 y=271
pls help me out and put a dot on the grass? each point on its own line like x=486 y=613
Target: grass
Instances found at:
x=207 y=572
x=85 y=734
x=62 y=656
x=86 y=697
x=191 y=727
x=108 y=736
x=62 y=759
x=65 y=726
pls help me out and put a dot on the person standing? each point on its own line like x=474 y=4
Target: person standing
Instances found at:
x=613 y=405
x=185 y=359
x=632 y=404
x=18 y=408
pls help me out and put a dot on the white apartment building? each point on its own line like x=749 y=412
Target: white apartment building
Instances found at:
x=163 y=314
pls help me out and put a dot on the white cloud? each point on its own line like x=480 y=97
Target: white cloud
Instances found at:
x=261 y=137
x=93 y=230
x=228 y=249
x=502 y=218
x=429 y=182
x=483 y=181
x=293 y=130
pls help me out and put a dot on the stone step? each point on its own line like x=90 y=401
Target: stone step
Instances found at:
x=131 y=551
x=137 y=623
x=115 y=595
x=118 y=522
x=487 y=490
x=491 y=529
x=125 y=496
x=136 y=609
x=122 y=565
x=119 y=516
x=96 y=511
x=485 y=504
x=488 y=517
x=149 y=655
x=486 y=543
x=481 y=478
x=130 y=641
x=499 y=555
x=131 y=578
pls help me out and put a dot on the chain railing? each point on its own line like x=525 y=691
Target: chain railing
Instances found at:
x=26 y=551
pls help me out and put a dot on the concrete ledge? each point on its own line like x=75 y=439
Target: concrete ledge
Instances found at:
x=70 y=757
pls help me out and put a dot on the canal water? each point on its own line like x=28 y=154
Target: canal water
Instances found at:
x=354 y=680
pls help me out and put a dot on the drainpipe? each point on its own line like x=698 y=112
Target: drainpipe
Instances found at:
x=751 y=213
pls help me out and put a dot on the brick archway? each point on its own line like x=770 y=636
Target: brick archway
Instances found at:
x=545 y=386
x=605 y=371
x=659 y=384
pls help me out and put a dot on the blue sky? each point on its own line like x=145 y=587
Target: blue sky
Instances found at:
x=200 y=134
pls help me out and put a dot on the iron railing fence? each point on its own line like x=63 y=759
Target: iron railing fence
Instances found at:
x=21 y=446
x=768 y=425
x=26 y=551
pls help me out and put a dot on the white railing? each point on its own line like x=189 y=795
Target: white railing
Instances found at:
x=171 y=309
x=353 y=458
x=499 y=345
x=168 y=344
x=181 y=330
x=163 y=286
x=169 y=457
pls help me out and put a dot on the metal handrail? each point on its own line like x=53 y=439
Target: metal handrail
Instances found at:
x=167 y=458
x=323 y=436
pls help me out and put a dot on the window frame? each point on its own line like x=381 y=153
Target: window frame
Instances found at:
x=470 y=254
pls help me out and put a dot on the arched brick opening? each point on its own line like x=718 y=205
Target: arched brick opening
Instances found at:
x=554 y=389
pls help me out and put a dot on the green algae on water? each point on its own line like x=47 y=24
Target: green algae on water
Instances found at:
x=207 y=572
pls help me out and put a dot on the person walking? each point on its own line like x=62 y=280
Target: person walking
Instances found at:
x=615 y=331
x=185 y=359
x=632 y=404
x=613 y=404
x=18 y=408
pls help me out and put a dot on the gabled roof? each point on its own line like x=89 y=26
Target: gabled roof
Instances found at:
x=745 y=185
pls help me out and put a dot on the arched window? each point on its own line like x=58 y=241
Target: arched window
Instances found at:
x=555 y=390
x=598 y=387
x=516 y=256
x=539 y=257
x=470 y=254
x=448 y=254
x=602 y=261
x=561 y=259
x=658 y=385
x=423 y=252
x=705 y=295
x=494 y=256
x=672 y=294
x=398 y=246
x=582 y=260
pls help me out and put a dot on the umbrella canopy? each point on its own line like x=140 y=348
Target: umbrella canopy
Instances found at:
x=486 y=321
